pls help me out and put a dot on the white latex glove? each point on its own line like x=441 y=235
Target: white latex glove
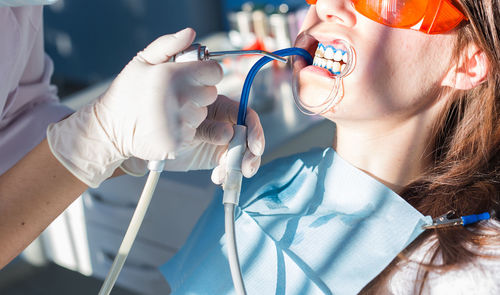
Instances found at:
x=209 y=147
x=149 y=111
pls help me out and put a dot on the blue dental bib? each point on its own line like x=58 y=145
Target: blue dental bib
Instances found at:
x=308 y=224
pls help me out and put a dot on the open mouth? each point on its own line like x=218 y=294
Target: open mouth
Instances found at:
x=318 y=87
x=331 y=58
x=336 y=57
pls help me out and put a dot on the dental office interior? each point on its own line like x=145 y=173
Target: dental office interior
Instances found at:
x=89 y=42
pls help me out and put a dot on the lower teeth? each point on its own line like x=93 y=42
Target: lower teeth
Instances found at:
x=334 y=67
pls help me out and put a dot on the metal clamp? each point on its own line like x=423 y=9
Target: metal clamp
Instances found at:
x=446 y=219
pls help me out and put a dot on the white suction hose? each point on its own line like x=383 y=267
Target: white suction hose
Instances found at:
x=155 y=167
x=231 y=198
x=232 y=252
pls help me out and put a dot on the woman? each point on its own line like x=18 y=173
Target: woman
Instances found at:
x=420 y=114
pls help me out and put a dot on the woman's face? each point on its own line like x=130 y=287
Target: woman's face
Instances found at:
x=397 y=71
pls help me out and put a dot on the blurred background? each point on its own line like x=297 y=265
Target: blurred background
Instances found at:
x=90 y=42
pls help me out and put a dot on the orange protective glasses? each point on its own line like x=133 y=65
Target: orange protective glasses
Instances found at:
x=428 y=16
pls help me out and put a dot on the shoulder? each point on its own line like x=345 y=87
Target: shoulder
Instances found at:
x=479 y=276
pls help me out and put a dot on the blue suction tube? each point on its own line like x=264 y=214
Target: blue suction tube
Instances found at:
x=242 y=111
x=232 y=184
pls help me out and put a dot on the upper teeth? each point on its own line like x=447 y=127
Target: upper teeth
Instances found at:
x=330 y=58
x=338 y=55
x=329 y=53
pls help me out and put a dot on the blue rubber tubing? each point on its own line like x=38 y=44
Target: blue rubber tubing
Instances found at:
x=242 y=111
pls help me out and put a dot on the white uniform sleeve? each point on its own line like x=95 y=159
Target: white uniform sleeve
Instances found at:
x=28 y=103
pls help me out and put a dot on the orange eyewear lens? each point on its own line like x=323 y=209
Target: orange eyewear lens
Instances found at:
x=435 y=17
x=393 y=13
x=442 y=16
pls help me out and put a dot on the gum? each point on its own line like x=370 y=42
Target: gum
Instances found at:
x=335 y=49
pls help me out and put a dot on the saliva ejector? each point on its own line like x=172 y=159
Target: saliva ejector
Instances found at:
x=232 y=184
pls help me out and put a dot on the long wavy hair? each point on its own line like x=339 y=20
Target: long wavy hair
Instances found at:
x=465 y=176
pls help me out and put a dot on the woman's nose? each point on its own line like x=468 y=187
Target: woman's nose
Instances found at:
x=336 y=11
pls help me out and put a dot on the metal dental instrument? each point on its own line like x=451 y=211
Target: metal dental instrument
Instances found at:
x=243 y=52
x=199 y=52
x=447 y=220
x=195 y=52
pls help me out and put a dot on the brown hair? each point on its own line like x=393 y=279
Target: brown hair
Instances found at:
x=466 y=154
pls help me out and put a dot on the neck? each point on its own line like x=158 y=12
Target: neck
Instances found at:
x=394 y=152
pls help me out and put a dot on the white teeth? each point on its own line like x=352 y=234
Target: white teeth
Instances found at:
x=323 y=63
x=329 y=53
x=334 y=60
x=338 y=55
x=319 y=52
x=329 y=64
x=317 y=61
x=344 y=57
x=336 y=67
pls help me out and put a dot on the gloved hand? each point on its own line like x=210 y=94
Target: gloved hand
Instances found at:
x=149 y=111
x=208 y=149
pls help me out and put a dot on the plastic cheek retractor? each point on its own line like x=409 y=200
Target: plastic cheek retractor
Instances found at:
x=319 y=87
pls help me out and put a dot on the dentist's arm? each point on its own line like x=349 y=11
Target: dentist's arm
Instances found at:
x=32 y=194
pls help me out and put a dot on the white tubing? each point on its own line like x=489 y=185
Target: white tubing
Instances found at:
x=131 y=233
x=232 y=252
x=231 y=198
x=235 y=152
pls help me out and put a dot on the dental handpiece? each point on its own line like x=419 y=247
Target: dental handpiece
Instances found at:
x=199 y=52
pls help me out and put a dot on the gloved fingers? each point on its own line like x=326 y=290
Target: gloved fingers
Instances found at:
x=226 y=110
x=249 y=167
x=200 y=95
x=255 y=134
x=250 y=164
x=186 y=133
x=219 y=172
x=163 y=48
x=201 y=73
x=192 y=115
x=215 y=132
